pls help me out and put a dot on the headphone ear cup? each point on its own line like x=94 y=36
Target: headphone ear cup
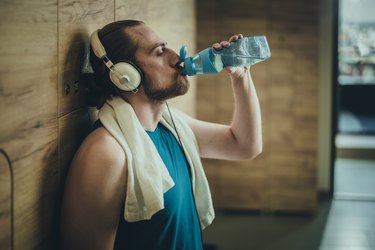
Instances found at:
x=129 y=70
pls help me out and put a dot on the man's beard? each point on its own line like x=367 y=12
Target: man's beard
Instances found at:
x=180 y=87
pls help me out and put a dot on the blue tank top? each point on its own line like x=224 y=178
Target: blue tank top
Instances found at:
x=177 y=225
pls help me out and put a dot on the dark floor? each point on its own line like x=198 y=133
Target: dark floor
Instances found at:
x=345 y=223
x=267 y=231
x=339 y=224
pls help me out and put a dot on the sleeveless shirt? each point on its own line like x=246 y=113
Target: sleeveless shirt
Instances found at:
x=177 y=225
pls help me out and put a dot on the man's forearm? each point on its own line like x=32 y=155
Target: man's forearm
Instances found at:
x=246 y=124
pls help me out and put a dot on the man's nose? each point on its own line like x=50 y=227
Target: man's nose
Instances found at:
x=175 y=58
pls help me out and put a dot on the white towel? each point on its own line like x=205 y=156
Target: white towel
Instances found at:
x=148 y=177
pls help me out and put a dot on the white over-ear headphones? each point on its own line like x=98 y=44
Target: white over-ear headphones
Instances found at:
x=125 y=75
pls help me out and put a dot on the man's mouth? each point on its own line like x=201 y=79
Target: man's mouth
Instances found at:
x=180 y=67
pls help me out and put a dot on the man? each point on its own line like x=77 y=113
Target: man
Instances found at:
x=106 y=174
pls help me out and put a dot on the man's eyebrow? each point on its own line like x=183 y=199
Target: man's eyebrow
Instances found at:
x=157 y=45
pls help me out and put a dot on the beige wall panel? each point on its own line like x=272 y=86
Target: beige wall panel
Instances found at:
x=259 y=73
x=242 y=186
x=233 y=26
x=282 y=91
x=28 y=27
x=294 y=10
x=77 y=20
x=249 y=9
x=305 y=139
x=292 y=163
x=164 y=16
x=35 y=199
x=28 y=104
x=210 y=32
x=292 y=181
x=28 y=111
x=306 y=105
x=6 y=198
x=27 y=76
x=281 y=129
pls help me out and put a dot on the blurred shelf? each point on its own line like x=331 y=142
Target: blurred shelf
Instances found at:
x=355 y=146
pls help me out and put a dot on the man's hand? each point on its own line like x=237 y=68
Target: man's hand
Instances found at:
x=236 y=72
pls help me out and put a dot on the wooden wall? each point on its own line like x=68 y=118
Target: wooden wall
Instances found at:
x=283 y=177
x=43 y=117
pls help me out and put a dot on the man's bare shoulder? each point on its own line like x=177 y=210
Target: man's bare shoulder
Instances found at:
x=99 y=156
x=101 y=145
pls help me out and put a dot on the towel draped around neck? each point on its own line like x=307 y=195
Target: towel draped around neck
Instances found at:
x=148 y=177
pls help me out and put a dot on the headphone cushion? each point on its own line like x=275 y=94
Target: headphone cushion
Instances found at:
x=129 y=70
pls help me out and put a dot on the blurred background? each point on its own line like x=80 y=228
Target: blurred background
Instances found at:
x=313 y=187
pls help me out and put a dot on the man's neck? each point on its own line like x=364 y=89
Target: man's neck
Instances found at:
x=149 y=113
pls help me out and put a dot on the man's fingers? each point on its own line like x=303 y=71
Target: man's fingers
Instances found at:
x=216 y=46
x=226 y=44
x=233 y=38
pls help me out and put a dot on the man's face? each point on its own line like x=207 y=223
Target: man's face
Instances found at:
x=163 y=77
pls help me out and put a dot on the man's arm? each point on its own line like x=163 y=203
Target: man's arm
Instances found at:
x=94 y=193
x=242 y=139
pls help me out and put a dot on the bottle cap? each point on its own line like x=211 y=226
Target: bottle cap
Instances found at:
x=190 y=67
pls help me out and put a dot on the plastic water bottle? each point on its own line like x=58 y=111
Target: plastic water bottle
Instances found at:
x=246 y=51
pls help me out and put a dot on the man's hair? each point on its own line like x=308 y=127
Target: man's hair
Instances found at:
x=119 y=46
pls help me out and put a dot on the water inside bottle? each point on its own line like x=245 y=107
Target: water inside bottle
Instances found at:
x=245 y=52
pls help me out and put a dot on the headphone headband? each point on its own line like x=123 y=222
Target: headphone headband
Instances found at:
x=97 y=46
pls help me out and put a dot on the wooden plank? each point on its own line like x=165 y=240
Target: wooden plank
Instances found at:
x=36 y=199
x=28 y=111
x=28 y=104
x=306 y=105
x=293 y=181
x=249 y=9
x=281 y=129
x=228 y=27
x=28 y=52
x=305 y=138
x=6 y=199
x=77 y=19
x=28 y=27
x=294 y=11
x=243 y=185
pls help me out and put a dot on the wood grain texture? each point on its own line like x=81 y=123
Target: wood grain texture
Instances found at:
x=36 y=199
x=6 y=199
x=28 y=52
x=243 y=185
x=28 y=111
